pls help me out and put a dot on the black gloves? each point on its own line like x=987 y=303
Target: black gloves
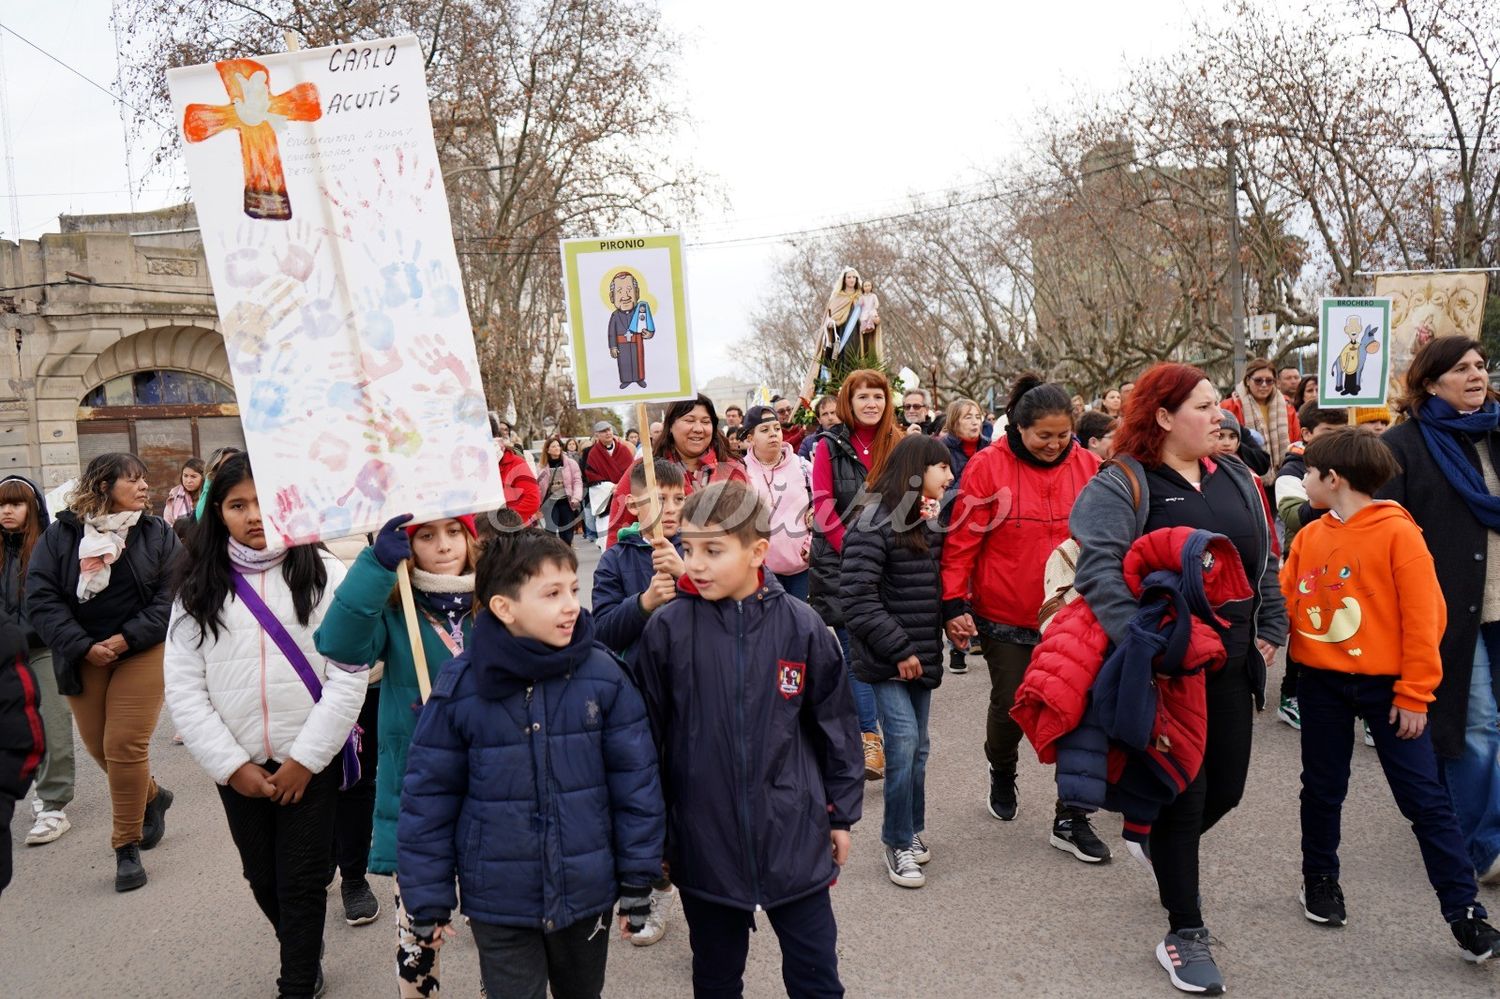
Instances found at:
x=392 y=546
x=635 y=905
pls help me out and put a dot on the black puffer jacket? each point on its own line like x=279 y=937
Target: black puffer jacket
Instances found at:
x=824 y=559
x=12 y=584
x=22 y=739
x=52 y=591
x=892 y=599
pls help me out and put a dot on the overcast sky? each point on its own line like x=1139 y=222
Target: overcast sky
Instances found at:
x=806 y=112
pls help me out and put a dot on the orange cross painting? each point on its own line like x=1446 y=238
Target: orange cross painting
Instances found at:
x=256 y=113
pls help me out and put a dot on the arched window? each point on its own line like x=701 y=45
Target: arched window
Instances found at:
x=159 y=388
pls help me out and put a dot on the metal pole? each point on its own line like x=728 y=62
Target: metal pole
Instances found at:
x=1235 y=276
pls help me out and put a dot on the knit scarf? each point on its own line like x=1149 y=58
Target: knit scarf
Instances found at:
x=447 y=595
x=247 y=559
x=1278 y=435
x=1442 y=425
x=100 y=547
x=445 y=601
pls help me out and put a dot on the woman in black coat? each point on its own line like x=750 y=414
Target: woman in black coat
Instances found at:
x=98 y=592
x=893 y=610
x=1449 y=451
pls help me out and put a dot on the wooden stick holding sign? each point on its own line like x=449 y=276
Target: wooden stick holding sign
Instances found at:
x=650 y=515
x=413 y=631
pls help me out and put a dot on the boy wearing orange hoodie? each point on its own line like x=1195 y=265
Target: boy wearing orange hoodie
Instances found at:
x=1366 y=617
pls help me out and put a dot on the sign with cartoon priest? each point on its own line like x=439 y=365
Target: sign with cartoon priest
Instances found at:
x=627 y=319
x=1354 y=351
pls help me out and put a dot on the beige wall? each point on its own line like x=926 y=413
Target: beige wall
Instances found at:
x=107 y=296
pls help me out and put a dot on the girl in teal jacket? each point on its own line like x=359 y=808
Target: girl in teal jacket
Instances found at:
x=366 y=624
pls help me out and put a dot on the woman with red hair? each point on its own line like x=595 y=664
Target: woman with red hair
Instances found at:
x=845 y=457
x=1163 y=476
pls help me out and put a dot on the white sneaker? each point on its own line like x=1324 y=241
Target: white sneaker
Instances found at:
x=662 y=903
x=919 y=851
x=49 y=825
x=1491 y=874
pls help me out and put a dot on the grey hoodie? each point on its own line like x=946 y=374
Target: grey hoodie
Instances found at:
x=1105 y=525
x=12 y=586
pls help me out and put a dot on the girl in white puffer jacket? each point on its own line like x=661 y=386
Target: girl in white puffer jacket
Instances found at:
x=249 y=718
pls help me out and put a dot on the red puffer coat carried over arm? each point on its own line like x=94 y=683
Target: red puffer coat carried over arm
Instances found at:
x=1054 y=696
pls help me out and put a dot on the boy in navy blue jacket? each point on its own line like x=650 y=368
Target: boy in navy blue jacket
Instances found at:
x=532 y=777
x=751 y=710
x=636 y=575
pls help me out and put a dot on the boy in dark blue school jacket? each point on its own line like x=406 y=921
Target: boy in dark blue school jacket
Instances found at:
x=532 y=779
x=761 y=757
x=636 y=575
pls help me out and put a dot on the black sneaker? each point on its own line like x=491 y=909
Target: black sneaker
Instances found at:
x=1188 y=959
x=957 y=661
x=1002 y=800
x=902 y=868
x=129 y=874
x=1075 y=834
x=360 y=905
x=1477 y=939
x=154 y=825
x=1323 y=900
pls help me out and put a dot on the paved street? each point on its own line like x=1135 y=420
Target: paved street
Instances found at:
x=1003 y=912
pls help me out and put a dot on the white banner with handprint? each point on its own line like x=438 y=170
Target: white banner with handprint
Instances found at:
x=316 y=181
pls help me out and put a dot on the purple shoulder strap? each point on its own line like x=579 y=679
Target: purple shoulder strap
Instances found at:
x=279 y=635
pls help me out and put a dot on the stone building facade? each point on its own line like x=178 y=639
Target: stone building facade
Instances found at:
x=115 y=346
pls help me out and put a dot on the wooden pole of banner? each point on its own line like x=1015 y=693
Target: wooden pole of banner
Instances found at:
x=413 y=631
x=650 y=517
x=403 y=573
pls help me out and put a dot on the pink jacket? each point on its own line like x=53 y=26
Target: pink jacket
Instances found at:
x=572 y=479
x=784 y=488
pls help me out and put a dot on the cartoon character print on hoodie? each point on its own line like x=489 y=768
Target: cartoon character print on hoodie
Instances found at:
x=1363 y=597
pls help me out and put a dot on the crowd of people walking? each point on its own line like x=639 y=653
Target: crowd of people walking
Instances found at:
x=774 y=612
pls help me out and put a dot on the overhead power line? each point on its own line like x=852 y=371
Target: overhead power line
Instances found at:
x=78 y=73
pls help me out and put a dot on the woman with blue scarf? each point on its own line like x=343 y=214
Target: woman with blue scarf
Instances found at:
x=1449 y=450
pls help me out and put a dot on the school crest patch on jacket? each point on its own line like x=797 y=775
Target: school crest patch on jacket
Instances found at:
x=790 y=677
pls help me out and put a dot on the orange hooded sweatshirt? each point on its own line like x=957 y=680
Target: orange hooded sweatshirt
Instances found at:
x=1363 y=597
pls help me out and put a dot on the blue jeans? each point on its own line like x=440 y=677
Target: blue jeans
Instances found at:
x=864 y=696
x=1329 y=703
x=795 y=584
x=903 y=710
x=1474 y=779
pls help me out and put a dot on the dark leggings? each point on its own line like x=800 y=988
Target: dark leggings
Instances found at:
x=354 y=819
x=1212 y=794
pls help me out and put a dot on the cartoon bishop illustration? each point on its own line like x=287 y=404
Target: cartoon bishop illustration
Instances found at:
x=1349 y=364
x=630 y=326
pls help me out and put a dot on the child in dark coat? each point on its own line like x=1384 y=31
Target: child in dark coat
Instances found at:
x=762 y=760
x=532 y=776
x=893 y=608
x=637 y=575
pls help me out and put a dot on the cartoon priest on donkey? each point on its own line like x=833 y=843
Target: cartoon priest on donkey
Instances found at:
x=630 y=326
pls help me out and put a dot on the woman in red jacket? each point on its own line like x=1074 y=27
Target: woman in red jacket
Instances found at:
x=1011 y=511
x=689 y=438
